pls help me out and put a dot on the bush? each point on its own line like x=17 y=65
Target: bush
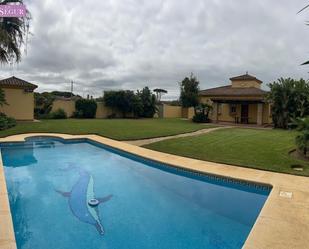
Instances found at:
x=200 y=118
x=85 y=108
x=302 y=139
x=77 y=114
x=44 y=116
x=6 y=122
x=59 y=114
x=202 y=113
x=111 y=116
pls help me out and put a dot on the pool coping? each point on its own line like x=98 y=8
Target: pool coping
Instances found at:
x=282 y=223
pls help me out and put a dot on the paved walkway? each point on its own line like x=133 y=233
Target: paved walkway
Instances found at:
x=142 y=142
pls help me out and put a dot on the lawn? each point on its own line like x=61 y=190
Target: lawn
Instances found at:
x=120 y=129
x=262 y=149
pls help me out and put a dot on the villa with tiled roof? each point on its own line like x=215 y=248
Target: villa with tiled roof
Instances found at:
x=242 y=101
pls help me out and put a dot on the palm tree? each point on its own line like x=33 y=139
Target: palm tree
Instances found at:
x=13 y=34
x=307 y=6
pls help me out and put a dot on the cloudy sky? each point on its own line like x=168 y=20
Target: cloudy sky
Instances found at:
x=127 y=44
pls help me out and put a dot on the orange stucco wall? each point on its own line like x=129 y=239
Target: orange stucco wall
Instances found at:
x=20 y=104
x=172 y=111
x=67 y=105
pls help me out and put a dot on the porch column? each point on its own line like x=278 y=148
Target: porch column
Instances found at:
x=215 y=112
x=259 y=119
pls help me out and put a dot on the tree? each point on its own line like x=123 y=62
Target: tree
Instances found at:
x=64 y=94
x=159 y=93
x=140 y=104
x=123 y=101
x=137 y=106
x=302 y=140
x=13 y=34
x=289 y=100
x=43 y=104
x=149 y=102
x=189 y=88
x=307 y=6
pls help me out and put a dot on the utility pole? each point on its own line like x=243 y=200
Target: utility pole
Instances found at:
x=71 y=88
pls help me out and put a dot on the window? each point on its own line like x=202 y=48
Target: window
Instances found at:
x=233 y=109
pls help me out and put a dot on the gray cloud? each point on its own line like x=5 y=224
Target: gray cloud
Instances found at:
x=129 y=44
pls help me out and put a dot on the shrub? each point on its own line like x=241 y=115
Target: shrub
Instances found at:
x=6 y=122
x=77 y=114
x=302 y=139
x=59 y=114
x=200 y=118
x=85 y=108
x=44 y=116
x=111 y=116
x=202 y=113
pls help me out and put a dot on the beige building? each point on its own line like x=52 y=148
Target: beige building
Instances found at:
x=19 y=97
x=243 y=101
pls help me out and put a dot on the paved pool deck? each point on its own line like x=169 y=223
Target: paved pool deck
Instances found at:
x=282 y=223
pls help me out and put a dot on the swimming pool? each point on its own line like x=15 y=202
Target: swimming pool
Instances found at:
x=142 y=204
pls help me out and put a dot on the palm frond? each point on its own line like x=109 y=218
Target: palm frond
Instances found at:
x=307 y=6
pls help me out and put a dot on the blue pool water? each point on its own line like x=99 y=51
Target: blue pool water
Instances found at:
x=143 y=204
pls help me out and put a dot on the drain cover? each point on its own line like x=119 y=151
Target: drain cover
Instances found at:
x=93 y=202
x=286 y=194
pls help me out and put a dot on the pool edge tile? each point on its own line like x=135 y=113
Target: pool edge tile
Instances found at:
x=7 y=235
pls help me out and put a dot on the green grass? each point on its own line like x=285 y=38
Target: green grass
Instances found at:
x=262 y=149
x=120 y=129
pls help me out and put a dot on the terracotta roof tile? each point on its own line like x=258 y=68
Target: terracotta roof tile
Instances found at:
x=17 y=83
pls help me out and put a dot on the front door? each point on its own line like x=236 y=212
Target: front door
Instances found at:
x=244 y=114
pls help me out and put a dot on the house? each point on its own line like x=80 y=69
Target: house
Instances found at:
x=242 y=101
x=19 y=97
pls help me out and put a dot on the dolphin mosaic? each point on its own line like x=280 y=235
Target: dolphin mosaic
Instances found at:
x=82 y=201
